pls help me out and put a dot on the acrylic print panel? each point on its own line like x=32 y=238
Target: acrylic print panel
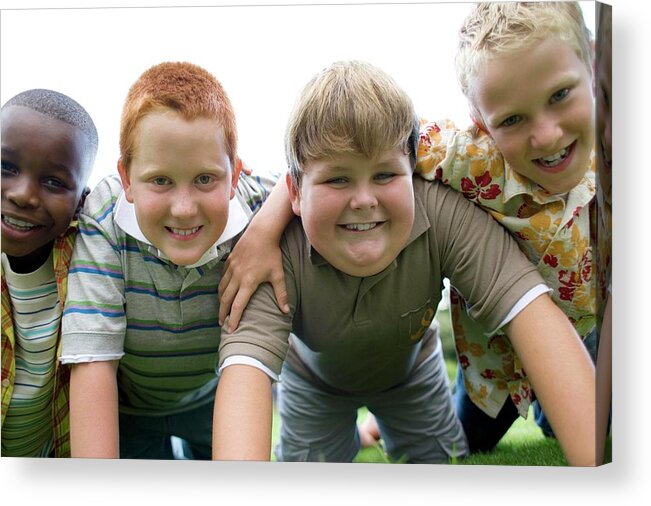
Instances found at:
x=603 y=241
x=94 y=55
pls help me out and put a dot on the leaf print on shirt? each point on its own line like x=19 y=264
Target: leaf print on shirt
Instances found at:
x=536 y=234
x=480 y=188
x=431 y=151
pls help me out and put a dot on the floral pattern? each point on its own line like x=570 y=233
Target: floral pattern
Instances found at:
x=553 y=231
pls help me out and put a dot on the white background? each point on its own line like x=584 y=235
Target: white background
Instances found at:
x=263 y=55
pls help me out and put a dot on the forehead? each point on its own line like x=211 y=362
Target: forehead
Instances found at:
x=388 y=158
x=36 y=136
x=161 y=125
x=511 y=76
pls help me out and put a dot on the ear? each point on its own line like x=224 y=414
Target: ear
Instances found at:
x=126 y=181
x=294 y=194
x=235 y=176
x=80 y=204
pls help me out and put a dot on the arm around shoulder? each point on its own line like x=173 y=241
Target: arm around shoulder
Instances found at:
x=256 y=258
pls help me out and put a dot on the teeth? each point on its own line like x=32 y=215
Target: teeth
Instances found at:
x=360 y=226
x=184 y=231
x=554 y=159
x=18 y=224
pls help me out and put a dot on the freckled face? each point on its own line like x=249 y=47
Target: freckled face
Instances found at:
x=357 y=213
x=44 y=170
x=537 y=105
x=180 y=181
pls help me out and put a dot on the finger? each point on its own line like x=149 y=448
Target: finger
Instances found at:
x=237 y=308
x=226 y=300
x=227 y=272
x=227 y=275
x=280 y=292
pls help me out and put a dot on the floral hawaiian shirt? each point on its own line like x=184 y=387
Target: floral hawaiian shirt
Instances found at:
x=554 y=231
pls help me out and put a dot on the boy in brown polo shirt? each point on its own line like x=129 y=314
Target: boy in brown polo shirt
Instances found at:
x=364 y=266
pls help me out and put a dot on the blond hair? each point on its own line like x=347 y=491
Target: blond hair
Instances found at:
x=493 y=29
x=349 y=107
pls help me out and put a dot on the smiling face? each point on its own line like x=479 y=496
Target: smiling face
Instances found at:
x=356 y=212
x=537 y=105
x=180 y=181
x=44 y=170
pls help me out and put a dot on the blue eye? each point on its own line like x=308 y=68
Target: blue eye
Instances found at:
x=205 y=179
x=511 y=120
x=384 y=177
x=560 y=95
x=160 y=181
x=337 y=180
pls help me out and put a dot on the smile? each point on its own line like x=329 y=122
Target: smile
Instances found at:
x=361 y=227
x=556 y=159
x=558 y=162
x=184 y=232
x=18 y=224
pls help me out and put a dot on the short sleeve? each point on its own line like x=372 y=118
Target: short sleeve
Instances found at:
x=94 y=319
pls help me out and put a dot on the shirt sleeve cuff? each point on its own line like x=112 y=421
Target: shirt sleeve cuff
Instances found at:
x=524 y=301
x=244 y=360
x=80 y=359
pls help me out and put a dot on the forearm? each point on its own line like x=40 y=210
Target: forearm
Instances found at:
x=562 y=376
x=94 y=410
x=243 y=415
x=256 y=259
x=275 y=214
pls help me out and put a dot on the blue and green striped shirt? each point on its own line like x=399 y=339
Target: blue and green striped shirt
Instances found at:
x=159 y=319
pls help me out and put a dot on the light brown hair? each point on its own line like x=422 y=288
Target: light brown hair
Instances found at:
x=349 y=107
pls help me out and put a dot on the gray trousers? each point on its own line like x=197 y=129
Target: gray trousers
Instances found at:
x=416 y=419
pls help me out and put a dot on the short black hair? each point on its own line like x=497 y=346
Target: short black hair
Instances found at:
x=60 y=107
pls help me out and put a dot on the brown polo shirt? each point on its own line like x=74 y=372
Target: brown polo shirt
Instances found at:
x=364 y=335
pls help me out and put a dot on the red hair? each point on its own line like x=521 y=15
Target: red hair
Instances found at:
x=185 y=88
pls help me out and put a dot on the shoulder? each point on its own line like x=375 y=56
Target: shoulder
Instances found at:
x=254 y=190
x=104 y=194
x=294 y=241
x=436 y=196
x=98 y=216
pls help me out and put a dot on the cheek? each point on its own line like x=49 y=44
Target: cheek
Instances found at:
x=63 y=209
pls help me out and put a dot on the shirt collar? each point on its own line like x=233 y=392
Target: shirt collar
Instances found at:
x=514 y=185
x=238 y=219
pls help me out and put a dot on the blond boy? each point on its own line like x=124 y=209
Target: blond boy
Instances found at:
x=374 y=244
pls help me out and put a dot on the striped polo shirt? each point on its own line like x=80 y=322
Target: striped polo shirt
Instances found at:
x=27 y=428
x=127 y=302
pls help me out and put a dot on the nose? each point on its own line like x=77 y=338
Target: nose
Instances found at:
x=363 y=197
x=183 y=204
x=23 y=191
x=546 y=133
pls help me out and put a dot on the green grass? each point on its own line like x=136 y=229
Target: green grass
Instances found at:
x=523 y=445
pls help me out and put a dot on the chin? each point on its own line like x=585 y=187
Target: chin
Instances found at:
x=183 y=260
x=363 y=270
